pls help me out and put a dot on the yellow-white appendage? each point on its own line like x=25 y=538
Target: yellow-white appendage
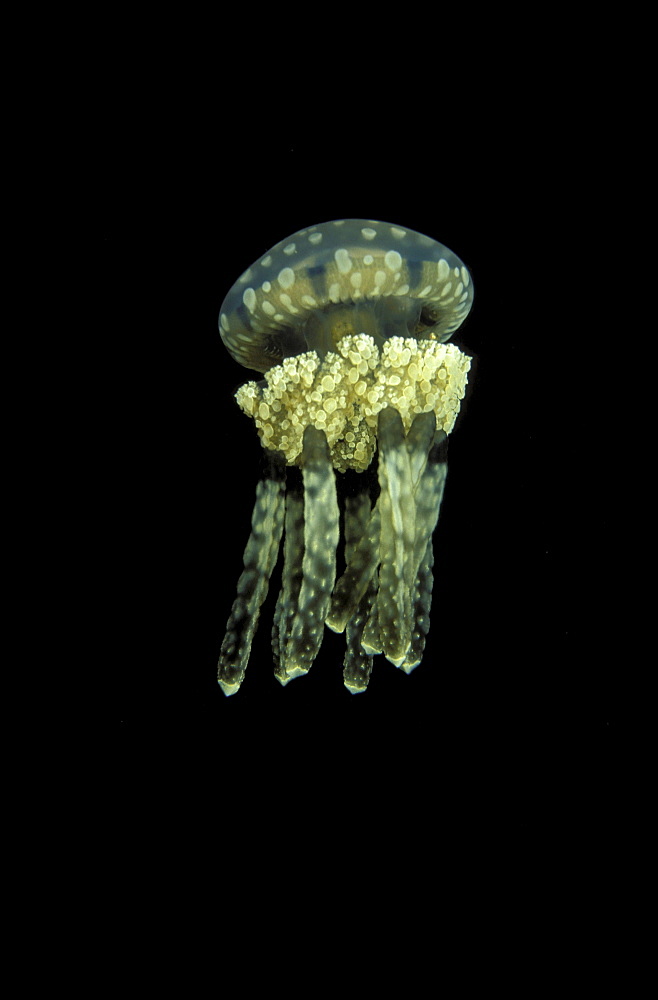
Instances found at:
x=291 y=580
x=357 y=664
x=429 y=494
x=300 y=640
x=398 y=525
x=392 y=560
x=259 y=559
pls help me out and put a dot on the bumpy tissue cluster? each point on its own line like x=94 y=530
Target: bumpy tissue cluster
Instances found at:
x=342 y=393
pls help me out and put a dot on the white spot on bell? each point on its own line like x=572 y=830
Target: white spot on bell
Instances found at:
x=287 y=277
x=286 y=302
x=249 y=299
x=368 y=234
x=393 y=260
x=343 y=261
x=290 y=249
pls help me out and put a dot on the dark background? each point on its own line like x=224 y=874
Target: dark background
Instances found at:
x=495 y=781
x=516 y=690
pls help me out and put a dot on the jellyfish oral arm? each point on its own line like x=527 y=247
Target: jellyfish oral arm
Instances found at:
x=260 y=556
x=398 y=539
x=429 y=495
x=398 y=519
x=360 y=590
x=362 y=530
x=298 y=649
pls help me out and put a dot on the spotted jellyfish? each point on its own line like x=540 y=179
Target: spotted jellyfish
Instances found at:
x=347 y=322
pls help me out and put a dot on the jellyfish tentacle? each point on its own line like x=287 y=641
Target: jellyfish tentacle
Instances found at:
x=291 y=579
x=428 y=504
x=398 y=519
x=319 y=560
x=419 y=441
x=361 y=564
x=357 y=663
x=421 y=601
x=428 y=499
x=260 y=555
x=371 y=639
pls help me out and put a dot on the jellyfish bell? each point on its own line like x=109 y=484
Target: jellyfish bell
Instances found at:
x=347 y=322
x=346 y=276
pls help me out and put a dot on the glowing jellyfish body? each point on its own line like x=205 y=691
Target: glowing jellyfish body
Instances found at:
x=347 y=321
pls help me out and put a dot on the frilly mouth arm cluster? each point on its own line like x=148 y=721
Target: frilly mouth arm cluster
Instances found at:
x=347 y=323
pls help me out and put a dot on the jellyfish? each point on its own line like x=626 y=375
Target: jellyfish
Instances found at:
x=346 y=322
